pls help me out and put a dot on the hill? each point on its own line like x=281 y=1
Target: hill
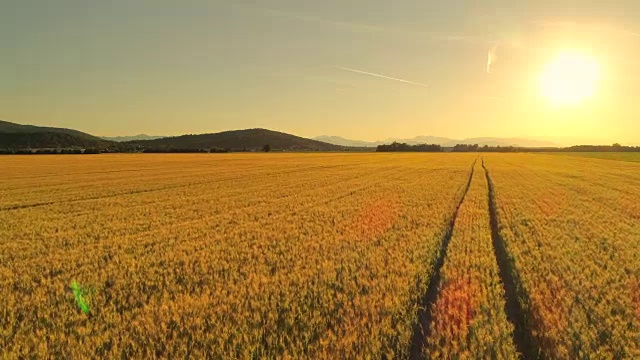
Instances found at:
x=13 y=128
x=250 y=139
x=15 y=136
x=42 y=140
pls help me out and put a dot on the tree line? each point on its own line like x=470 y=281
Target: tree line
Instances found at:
x=393 y=147
x=124 y=149
x=403 y=147
x=184 y=151
x=58 y=151
x=599 y=148
x=487 y=148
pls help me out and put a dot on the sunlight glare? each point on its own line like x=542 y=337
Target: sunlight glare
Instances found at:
x=570 y=78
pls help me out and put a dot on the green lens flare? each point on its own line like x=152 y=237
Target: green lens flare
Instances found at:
x=78 y=293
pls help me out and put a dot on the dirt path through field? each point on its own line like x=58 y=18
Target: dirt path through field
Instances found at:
x=522 y=336
x=421 y=330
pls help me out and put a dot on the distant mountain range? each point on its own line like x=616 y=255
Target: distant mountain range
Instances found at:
x=17 y=136
x=132 y=138
x=446 y=142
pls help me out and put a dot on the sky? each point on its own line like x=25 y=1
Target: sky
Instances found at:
x=361 y=69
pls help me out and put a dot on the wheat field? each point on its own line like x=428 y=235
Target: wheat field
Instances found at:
x=322 y=256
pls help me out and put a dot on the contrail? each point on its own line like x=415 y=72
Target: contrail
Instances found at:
x=380 y=76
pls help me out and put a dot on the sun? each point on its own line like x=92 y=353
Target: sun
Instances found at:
x=569 y=79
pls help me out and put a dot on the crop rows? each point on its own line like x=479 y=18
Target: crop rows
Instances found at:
x=319 y=256
x=468 y=319
x=571 y=228
x=230 y=256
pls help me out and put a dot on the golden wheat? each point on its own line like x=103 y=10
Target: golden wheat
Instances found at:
x=572 y=228
x=225 y=256
x=468 y=317
x=317 y=256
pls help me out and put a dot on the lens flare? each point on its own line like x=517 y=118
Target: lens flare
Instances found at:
x=570 y=79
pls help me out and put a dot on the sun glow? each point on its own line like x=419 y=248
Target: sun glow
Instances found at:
x=570 y=78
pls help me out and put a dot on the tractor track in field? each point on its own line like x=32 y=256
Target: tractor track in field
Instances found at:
x=522 y=336
x=421 y=330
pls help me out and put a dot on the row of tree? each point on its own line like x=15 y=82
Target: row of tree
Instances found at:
x=394 y=147
x=265 y=148
x=58 y=151
x=403 y=147
x=599 y=148
x=184 y=151
x=48 y=151
x=487 y=148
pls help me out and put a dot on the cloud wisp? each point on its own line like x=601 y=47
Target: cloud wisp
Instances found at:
x=380 y=76
x=491 y=58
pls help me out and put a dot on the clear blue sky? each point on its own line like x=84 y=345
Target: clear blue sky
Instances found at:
x=173 y=67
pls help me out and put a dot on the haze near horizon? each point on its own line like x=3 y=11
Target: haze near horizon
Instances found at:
x=365 y=70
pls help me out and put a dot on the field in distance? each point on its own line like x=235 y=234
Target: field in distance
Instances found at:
x=319 y=256
x=622 y=156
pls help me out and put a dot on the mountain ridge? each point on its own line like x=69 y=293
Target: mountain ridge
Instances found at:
x=443 y=141
x=15 y=128
x=15 y=136
x=18 y=136
x=248 y=139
